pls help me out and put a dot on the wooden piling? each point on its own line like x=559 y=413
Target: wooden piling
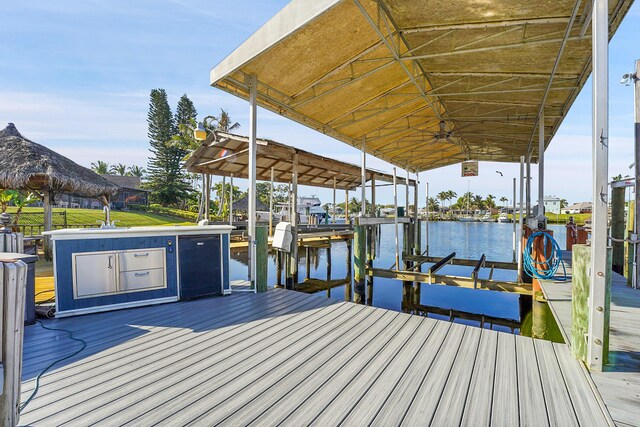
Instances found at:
x=359 y=263
x=329 y=267
x=307 y=262
x=581 y=263
x=617 y=228
x=279 y=269
x=630 y=249
x=262 y=251
x=370 y=258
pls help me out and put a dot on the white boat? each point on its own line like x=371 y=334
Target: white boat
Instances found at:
x=309 y=208
x=487 y=218
x=466 y=219
x=504 y=218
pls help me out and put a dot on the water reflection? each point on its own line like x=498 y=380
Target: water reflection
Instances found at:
x=495 y=310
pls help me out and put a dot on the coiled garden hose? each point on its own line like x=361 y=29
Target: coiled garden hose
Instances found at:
x=545 y=269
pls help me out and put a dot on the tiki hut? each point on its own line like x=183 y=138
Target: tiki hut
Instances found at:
x=27 y=165
x=242 y=205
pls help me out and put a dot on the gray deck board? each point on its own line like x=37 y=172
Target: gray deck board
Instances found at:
x=505 y=404
x=294 y=359
x=477 y=409
x=619 y=383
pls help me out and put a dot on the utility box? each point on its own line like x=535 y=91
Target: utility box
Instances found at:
x=282 y=237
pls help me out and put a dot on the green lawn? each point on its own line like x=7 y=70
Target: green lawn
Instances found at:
x=552 y=218
x=78 y=217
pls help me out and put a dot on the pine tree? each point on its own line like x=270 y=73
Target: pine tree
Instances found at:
x=167 y=180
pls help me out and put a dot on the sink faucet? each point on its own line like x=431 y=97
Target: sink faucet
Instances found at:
x=107 y=213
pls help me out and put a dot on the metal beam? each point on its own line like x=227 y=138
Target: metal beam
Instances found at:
x=486 y=25
x=598 y=309
x=252 y=82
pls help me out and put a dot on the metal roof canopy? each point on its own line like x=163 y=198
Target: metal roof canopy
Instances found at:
x=424 y=84
x=226 y=154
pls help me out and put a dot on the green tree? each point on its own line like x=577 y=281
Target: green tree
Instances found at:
x=504 y=200
x=490 y=201
x=477 y=202
x=100 y=167
x=119 y=169
x=6 y=197
x=433 y=205
x=136 y=171
x=280 y=192
x=166 y=180
x=22 y=199
x=563 y=203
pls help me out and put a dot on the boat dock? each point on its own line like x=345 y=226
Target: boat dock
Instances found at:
x=284 y=357
x=619 y=382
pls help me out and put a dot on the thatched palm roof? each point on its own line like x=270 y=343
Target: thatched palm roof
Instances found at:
x=25 y=164
x=242 y=205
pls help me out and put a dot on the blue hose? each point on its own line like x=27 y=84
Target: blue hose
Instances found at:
x=546 y=269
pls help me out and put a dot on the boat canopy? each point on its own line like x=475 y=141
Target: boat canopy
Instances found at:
x=422 y=84
x=226 y=154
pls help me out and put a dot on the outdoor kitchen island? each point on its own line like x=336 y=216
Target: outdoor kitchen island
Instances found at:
x=105 y=269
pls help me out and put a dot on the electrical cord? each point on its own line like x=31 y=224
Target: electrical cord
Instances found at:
x=52 y=364
x=546 y=269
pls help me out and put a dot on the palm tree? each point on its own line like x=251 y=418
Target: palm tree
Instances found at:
x=490 y=201
x=504 y=200
x=119 y=169
x=450 y=196
x=442 y=196
x=478 y=202
x=136 y=171
x=433 y=205
x=21 y=200
x=100 y=167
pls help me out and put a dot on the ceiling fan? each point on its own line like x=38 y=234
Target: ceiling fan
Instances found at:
x=444 y=135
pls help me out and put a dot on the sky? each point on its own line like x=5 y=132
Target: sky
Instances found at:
x=75 y=76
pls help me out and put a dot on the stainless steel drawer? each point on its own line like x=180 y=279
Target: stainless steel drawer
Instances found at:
x=141 y=259
x=142 y=280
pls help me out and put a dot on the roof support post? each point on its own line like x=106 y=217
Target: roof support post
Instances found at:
x=333 y=214
x=395 y=217
x=231 y=200
x=46 y=203
x=252 y=82
x=426 y=233
x=373 y=194
x=541 y=166
x=598 y=309
x=416 y=224
x=294 y=224
x=515 y=233
x=271 y=204
x=521 y=219
x=528 y=184
x=363 y=172
x=406 y=196
x=636 y=264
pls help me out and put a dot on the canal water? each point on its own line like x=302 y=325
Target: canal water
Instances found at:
x=468 y=240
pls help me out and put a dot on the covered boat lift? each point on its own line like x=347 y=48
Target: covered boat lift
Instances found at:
x=423 y=87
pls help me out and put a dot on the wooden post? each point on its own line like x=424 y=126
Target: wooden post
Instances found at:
x=252 y=82
x=307 y=262
x=278 y=268
x=370 y=257
x=406 y=195
x=515 y=223
x=329 y=267
x=631 y=279
x=521 y=220
x=262 y=250
x=617 y=228
x=346 y=207
x=347 y=289
x=580 y=288
x=207 y=198
x=271 y=204
x=47 y=200
x=359 y=263
x=13 y=279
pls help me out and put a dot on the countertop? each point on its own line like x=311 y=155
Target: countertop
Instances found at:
x=112 y=233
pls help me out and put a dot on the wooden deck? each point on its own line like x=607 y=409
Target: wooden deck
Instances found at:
x=284 y=357
x=619 y=383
